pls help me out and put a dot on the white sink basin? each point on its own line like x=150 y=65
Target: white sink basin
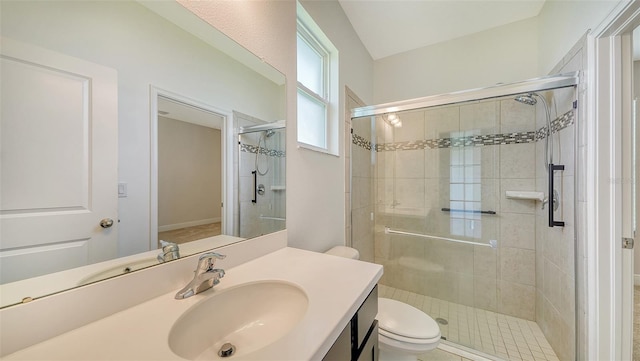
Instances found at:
x=249 y=316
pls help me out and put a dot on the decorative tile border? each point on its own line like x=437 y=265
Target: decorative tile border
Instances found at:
x=557 y=124
x=361 y=142
x=254 y=149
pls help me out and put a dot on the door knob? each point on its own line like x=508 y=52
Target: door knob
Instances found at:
x=106 y=223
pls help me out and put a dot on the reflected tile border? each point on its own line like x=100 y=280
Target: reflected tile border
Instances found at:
x=254 y=149
x=557 y=125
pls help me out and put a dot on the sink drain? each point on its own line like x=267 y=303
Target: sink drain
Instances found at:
x=227 y=350
x=442 y=321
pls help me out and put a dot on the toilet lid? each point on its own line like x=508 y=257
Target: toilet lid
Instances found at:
x=405 y=320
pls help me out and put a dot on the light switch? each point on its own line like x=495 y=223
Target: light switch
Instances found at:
x=122 y=190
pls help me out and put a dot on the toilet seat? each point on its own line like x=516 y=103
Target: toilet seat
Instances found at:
x=417 y=341
x=386 y=343
x=404 y=323
x=345 y=252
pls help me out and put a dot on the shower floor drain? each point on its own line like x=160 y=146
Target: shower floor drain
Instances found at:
x=442 y=321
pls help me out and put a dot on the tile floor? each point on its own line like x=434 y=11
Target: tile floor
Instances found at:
x=507 y=337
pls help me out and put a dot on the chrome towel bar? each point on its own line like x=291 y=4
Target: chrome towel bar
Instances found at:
x=467 y=211
x=273 y=218
x=492 y=243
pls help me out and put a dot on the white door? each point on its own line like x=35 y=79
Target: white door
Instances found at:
x=58 y=165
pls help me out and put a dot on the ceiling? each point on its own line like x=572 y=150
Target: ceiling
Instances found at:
x=389 y=27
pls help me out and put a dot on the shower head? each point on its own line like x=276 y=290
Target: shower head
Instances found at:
x=527 y=99
x=269 y=132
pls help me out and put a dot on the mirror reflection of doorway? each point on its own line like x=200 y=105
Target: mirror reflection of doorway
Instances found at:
x=190 y=172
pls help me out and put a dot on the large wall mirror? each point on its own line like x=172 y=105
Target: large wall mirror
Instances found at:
x=132 y=133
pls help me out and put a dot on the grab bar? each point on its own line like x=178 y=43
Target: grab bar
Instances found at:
x=492 y=243
x=255 y=187
x=273 y=218
x=467 y=211
x=552 y=198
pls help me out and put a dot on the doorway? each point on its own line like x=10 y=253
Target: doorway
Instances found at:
x=610 y=184
x=188 y=170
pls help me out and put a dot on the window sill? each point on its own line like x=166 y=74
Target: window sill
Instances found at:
x=317 y=149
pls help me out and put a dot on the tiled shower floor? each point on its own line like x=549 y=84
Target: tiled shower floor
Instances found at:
x=507 y=337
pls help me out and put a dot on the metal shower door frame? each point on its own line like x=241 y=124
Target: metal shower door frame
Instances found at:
x=500 y=90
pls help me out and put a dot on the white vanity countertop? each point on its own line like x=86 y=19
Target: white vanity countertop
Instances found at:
x=334 y=286
x=14 y=292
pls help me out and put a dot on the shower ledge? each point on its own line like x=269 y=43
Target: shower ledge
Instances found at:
x=537 y=196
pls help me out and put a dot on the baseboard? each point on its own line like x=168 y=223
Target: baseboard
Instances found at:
x=636 y=280
x=171 y=227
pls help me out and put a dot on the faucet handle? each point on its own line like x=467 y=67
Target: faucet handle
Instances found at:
x=207 y=260
x=164 y=243
x=169 y=251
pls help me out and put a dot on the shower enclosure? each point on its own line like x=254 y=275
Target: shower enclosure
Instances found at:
x=453 y=195
x=261 y=179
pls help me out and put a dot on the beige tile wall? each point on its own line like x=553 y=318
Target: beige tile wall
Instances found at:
x=362 y=193
x=361 y=217
x=555 y=275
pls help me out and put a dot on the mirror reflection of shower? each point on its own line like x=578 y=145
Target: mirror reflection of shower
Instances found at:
x=263 y=151
x=260 y=171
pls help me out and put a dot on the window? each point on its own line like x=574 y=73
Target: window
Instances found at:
x=465 y=191
x=317 y=128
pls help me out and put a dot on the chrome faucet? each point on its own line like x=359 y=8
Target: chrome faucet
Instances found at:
x=205 y=276
x=169 y=251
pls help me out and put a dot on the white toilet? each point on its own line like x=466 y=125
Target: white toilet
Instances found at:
x=404 y=332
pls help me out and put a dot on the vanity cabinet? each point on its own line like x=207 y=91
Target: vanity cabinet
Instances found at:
x=358 y=341
x=369 y=351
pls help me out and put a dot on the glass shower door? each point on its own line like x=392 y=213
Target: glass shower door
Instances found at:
x=452 y=201
x=435 y=215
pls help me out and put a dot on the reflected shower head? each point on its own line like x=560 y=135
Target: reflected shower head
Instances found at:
x=526 y=99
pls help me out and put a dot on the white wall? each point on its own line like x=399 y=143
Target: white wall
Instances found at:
x=562 y=23
x=320 y=178
x=189 y=174
x=513 y=52
x=145 y=50
x=500 y=55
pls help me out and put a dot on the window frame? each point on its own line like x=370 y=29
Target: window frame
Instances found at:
x=313 y=36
